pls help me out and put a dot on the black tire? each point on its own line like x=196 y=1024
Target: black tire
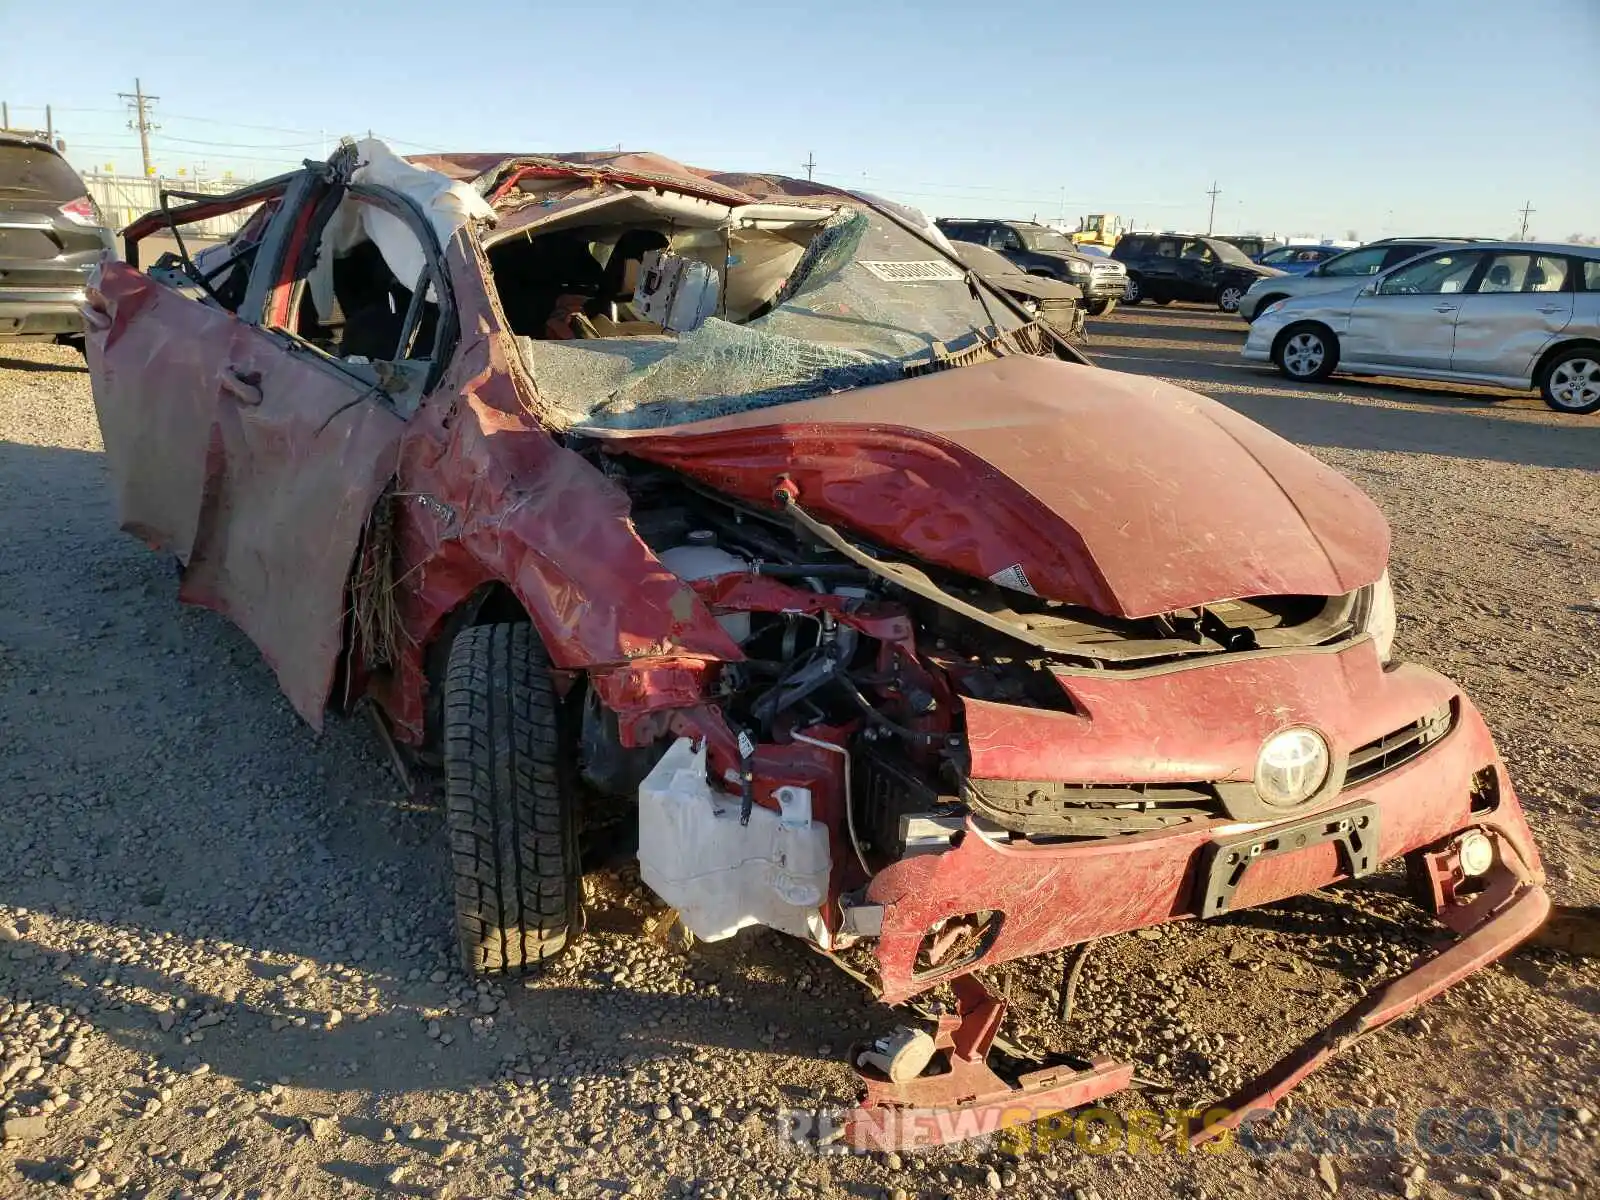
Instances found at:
x=1161 y=300
x=1135 y=291
x=1570 y=382
x=509 y=798
x=1299 y=359
x=1228 y=297
x=1102 y=308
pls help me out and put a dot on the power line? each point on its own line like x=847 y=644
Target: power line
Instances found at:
x=141 y=120
x=240 y=146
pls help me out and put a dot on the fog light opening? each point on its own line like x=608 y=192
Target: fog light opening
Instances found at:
x=954 y=942
x=1485 y=794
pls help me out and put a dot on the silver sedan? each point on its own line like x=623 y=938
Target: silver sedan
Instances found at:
x=1511 y=314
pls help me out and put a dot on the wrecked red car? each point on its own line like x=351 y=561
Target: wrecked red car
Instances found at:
x=909 y=632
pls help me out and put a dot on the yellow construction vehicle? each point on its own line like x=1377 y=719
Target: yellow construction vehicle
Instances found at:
x=1099 y=229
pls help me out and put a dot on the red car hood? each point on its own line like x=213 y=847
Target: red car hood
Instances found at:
x=1112 y=491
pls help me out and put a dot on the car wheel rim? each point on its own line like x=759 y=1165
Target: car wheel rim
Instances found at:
x=1230 y=299
x=1576 y=383
x=1132 y=290
x=1303 y=354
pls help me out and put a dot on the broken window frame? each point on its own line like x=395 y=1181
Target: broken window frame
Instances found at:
x=288 y=252
x=203 y=206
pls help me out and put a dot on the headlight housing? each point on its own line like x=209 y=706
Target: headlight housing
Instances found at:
x=1381 y=618
x=1077 y=266
x=1292 y=767
x=1273 y=307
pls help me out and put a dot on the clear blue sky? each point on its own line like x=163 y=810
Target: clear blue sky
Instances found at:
x=1371 y=115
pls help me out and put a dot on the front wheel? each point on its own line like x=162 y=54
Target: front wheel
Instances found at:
x=1571 y=382
x=1132 y=292
x=1102 y=308
x=1228 y=298
x=1306 y=352
x=509 y=795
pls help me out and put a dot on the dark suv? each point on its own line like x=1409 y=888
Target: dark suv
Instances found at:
x=1040 y=250
x=1163 y=267
x=50 y=237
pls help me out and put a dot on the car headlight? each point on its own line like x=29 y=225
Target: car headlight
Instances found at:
x=1381 y=619
x=1077 y=267
x=1292 y=767
x=1273 y=307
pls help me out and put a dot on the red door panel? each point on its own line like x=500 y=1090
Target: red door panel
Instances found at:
x=154 y=368
x=300 y=452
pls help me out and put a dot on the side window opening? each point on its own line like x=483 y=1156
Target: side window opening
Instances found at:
x=347 y=299
x=1442 y=275
x=1548 y=274
x=1365 y=262
x=219 y=274
x=1506 y=273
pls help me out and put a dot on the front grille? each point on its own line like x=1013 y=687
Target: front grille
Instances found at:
x=1400 y=747
x=1046 y=809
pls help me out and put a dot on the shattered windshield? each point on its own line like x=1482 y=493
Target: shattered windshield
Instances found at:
x=844 y=299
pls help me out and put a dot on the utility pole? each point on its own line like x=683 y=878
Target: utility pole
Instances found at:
x=1212 y=219
x=140 y=104
x=1527 y=210
x=49 y=126
x=810 y=163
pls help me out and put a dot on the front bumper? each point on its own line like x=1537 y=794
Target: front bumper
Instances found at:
x=1051 y=896
x=1106 y=287
x=1251 y=305
x=1258 y=345
x=40 y=313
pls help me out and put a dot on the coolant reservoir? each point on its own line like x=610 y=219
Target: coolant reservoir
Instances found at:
x=721 y=875
x=701 y=558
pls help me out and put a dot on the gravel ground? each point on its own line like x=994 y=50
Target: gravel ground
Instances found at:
x=225 y=956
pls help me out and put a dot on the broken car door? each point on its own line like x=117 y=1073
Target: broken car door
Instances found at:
x=314 y=399
x=156 y=344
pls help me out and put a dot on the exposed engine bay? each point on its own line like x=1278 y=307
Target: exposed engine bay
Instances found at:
x=870 y=657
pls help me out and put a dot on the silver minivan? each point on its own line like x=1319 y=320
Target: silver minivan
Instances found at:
x=1510 y=314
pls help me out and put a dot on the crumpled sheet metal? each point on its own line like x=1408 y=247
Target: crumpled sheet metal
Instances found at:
x=264 y=503
x=1018 y=471
x=487 y=495
x=268 y=502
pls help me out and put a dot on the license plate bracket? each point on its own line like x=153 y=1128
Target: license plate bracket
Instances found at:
x=1354 y=829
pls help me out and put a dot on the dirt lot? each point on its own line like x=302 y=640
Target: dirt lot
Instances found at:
x=225 y=955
